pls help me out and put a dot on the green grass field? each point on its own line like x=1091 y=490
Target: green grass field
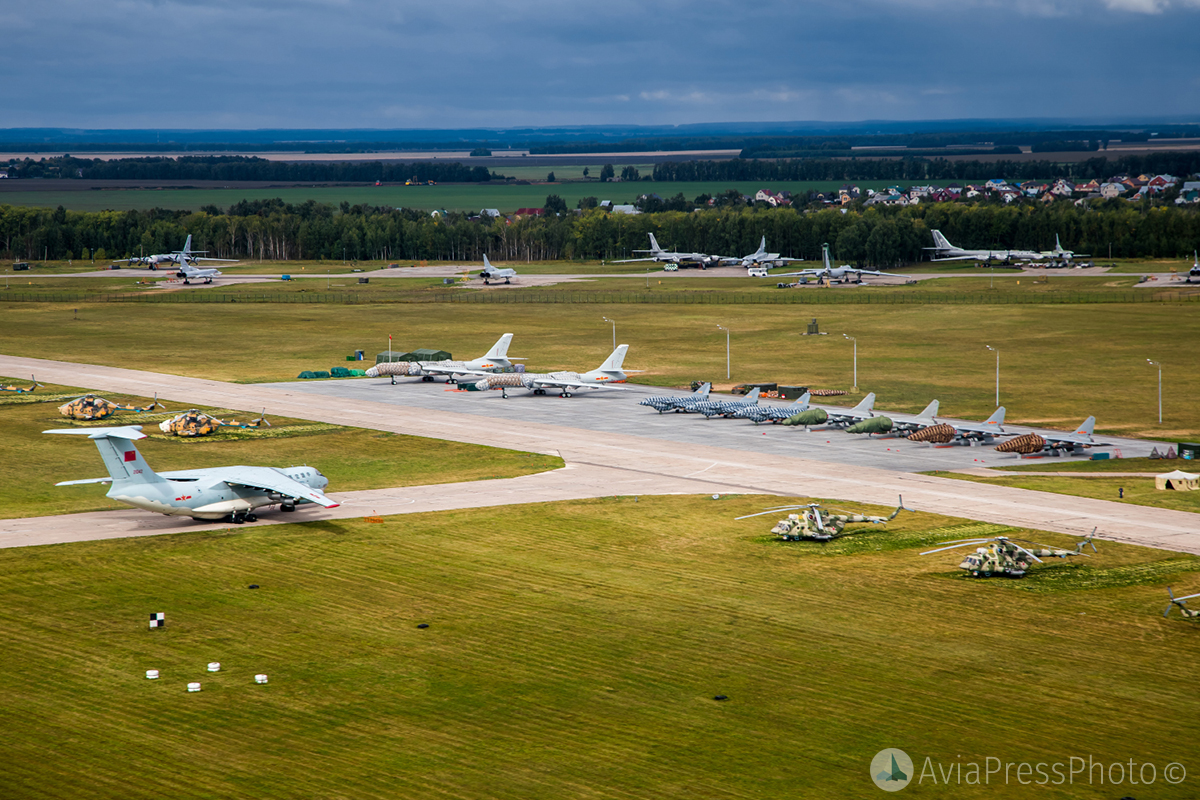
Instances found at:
x=450 y=197
x=1138 y=491
x=1059 y=364
x=575 y=650
x=351 y=458
x=1147 y=465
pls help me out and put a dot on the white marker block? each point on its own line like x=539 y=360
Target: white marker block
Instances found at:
x=152 y=674
x=214 y=666
x=260 y=678
x=193 y=687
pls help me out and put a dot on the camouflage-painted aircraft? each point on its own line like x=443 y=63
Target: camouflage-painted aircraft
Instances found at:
x=1001 y=556
x=93 y=407
x=194 y=422
x=816 y=524
x=21 y=389
x=1188 y=613
x=675 y=402
x=944 y=432
x=231 y=493
x=1053 y=442
x=726 y=408
x=773 y=413
x=605 y=376
x=493 y=360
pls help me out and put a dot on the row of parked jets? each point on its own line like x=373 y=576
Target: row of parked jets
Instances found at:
x=749 y=408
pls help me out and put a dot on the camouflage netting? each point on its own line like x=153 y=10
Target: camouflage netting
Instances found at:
x=937 y=434
x=871 y=425
x=309 y=374
x=813 y=416
x=1025 y=444
x=510 y=380
x=827 y=392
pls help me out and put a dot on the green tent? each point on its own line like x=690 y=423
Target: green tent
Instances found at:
x=425 y=354
x=392 y=355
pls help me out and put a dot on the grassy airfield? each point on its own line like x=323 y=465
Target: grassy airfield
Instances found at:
x=1059 y=363
x=574 y=650
x=352 y=458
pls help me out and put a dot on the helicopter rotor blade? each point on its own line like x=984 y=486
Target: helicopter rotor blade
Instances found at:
x=952 y=547
x=965 y=541
x=768 y=511
x=1026 y=552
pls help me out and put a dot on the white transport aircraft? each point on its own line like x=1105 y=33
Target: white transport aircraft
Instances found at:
x=944 y=251
x=493 y=360
x=232 y=493
x=605 y=376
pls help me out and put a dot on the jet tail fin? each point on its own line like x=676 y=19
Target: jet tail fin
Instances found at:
x=762 y=247
x=803 y=400
x=654 y=248
x=613 y=362
x=121 y=458
x=930 y=411
x=1087 y=427
x=940 y=241
x=752 y=397
x=866 y=405
x=500 y=348
x=703 y=391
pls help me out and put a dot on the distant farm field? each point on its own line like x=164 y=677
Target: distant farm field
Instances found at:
x=450 y=197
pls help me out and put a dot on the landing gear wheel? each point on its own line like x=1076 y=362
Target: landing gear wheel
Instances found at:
x=252 y=518
x=237 y=518
x=564 y=394
x=288 y=507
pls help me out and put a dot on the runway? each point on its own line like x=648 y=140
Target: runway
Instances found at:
x=637 y=458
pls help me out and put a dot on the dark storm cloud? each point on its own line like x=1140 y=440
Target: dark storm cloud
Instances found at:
x=367 y=63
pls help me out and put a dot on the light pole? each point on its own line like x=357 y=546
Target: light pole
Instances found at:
x=996 y=350
x=614 y=324
x=851 y=338
x=1156 y=364
x=728 y=372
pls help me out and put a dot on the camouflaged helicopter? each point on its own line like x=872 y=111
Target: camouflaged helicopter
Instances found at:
x=1001 y=556
x=1188 y=613
x=815 y=524
x=194 y=422
x=92 y=407
x=21 y=389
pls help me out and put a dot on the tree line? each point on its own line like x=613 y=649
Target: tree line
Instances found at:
x=245 y=168
x=924 y=169
x=882 y=237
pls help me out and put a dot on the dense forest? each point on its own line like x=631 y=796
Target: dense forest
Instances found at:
x=272 y=229
x=244 y=168
x=924 y=169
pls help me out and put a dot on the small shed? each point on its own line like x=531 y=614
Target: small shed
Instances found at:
x=425 y=354
x=389 y=356
x=1178 y=480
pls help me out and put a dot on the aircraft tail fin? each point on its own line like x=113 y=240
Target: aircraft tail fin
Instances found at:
x=500 y=348
x=865 y=406
x=187 y=245
x=703 y=391
x=654 y=248
x=825 y=257
x=762 y=247
x=930 y=411
x=1087 y=427
x=487 y=265
x=803 y=400
x=940 y=241
x=752 y=397
x=121 y=458
x=997 y=418
x=613 y=362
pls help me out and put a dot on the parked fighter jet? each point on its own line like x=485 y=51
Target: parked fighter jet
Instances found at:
x=760 y=256
x=21 y=389
x=944 y=432
x=1052 y=442
x=942 y=250
x=493 y=360
x=491 y=273
x=842 y=419
x=725 y=408
x=658 y=255
x=232 y=493
x=566 y=383
x=842 y=274
x=902 y=423
x=190 y=273
x=773 y=413
x=674 y=402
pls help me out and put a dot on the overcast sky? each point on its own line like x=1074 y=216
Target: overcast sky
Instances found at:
x=451 y=63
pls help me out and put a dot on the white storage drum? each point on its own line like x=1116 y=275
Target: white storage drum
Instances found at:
x=152 y=674
x=193 y=687
x=260 y=678
x=214 y=666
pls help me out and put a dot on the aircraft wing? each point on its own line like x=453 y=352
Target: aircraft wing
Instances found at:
x=563 y=383
x=630 y=260
x=269 y=480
